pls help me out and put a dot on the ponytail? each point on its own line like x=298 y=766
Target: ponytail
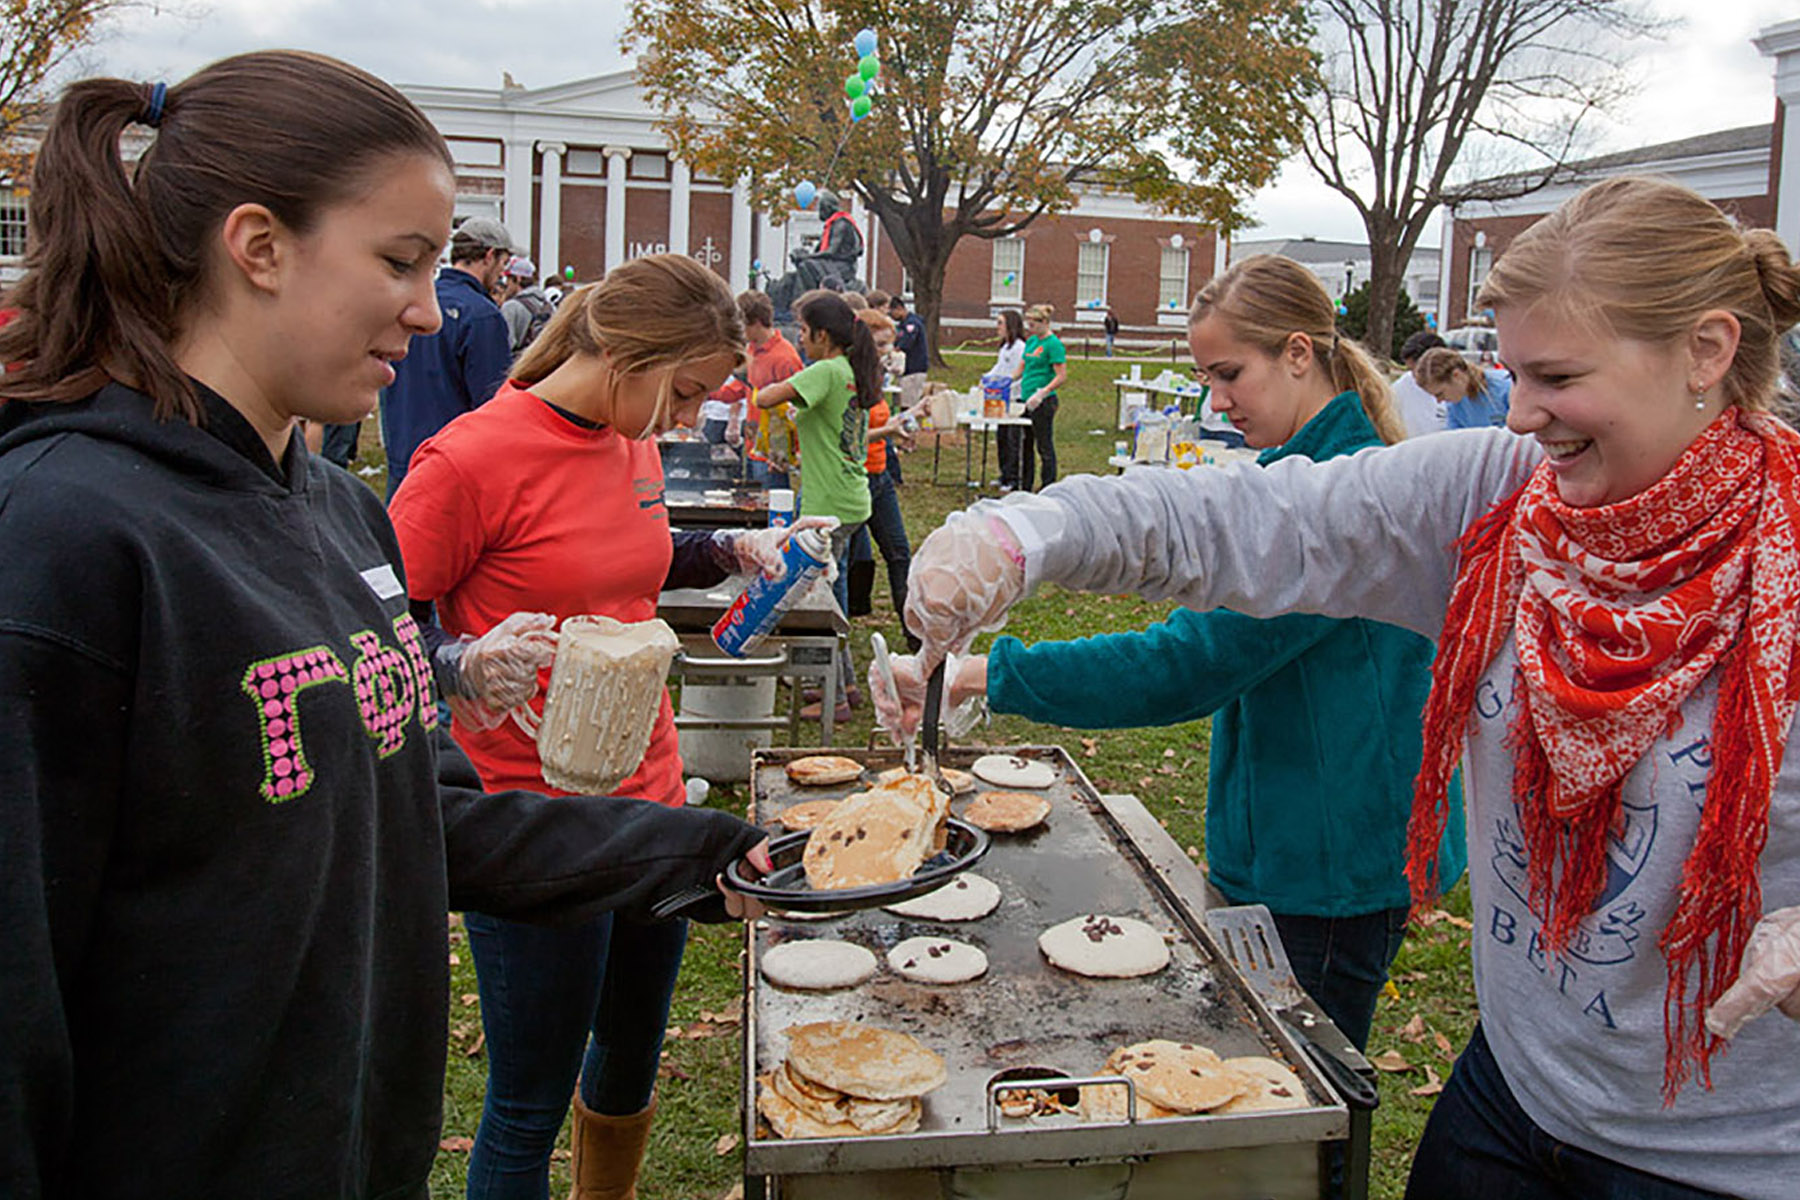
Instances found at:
x=656 y=311
x=94 y=303
x=828 y=313
x=115 y=263
x=1352 y=370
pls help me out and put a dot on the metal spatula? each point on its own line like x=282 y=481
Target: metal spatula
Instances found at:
x=929 y=734
x=1247 y=935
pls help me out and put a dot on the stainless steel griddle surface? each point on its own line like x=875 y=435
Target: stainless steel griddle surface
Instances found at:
x=1023 y=1012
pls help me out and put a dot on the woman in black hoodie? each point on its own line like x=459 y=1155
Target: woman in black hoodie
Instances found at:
x=229 y=825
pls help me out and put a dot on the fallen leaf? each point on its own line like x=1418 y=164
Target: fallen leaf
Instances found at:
x=1180 y=801
x=1089 y=747
x=456 y=1145
x=1459 y=922
x=455 y=920
x=671 y=1071
x=561 y=1154
x=1068 y=612
x=1168 y=769
x=455 y=960
x=1414 y=1030
x=1390 y=991
x=1193 y=852
x=469 y=998
x=725 y=1145
x=1169 y=753
x=1443 y=1044
x=475 y=1050
x=1432 y=1085
x=734 y=1192
x=1143 y=781
x=1391 y=1061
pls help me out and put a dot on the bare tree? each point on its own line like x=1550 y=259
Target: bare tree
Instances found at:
x=1412 y=87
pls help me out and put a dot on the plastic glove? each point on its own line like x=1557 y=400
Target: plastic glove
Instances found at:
x=746 y=551
x=964 y=578
x=1033 y=402
x=965 y=695
x=1768 y=976
x=498 y=671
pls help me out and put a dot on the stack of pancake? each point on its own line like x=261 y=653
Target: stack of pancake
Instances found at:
x=878 y=836
x=1179 y=1078
x=846 y=1079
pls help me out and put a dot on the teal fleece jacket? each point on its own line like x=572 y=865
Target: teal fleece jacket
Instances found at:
x=1315 y=737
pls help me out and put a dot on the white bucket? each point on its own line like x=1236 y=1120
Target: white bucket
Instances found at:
x=723 y=755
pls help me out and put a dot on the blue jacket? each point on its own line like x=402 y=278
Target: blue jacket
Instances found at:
x=1315 y=734
x=1484 y=410
x=446 y=374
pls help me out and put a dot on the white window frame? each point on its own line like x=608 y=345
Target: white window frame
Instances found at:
x=1084 y=271
x=1481 y=261
x=13 y=212
x=1163 y=279
x=999 y=292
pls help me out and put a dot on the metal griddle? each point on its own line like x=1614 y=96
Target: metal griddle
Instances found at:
x=1093 y=855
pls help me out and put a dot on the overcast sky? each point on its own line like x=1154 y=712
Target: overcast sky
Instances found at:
x=1704 y=76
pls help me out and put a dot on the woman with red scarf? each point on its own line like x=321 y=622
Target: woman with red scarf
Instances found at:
x=1614 y=598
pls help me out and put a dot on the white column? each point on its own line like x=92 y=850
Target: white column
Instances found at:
x=515 y=201
x=550 y=212
x=1221 y=252
x=740 y=236
x=1782 y=43
x=681 y=186
x=1446 y=260
x=615 y=205
x=771 y=246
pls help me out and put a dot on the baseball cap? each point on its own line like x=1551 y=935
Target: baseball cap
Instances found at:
x=522 y=268
x=485 y=231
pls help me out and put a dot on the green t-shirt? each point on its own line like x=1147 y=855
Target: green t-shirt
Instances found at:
x=834 y=442
x=1041 y=356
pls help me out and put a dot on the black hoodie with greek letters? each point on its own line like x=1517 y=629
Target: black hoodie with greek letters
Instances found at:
x=229 y=829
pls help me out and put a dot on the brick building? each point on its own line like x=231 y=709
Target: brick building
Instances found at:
x=1752 y=172
x=582 y=178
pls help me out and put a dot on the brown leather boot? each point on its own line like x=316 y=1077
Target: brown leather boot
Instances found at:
x=607 y=1153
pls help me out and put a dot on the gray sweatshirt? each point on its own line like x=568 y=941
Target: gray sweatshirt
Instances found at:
x=1578 y=1036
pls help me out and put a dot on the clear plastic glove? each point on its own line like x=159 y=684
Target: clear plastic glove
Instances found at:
x=964 y=578
x=1768 y=976
x=747 y=551
x=498 y=671
x=1033 y=402
x=965 y=695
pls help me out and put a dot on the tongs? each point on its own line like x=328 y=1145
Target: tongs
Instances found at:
x=884 y=668
x=934 y=708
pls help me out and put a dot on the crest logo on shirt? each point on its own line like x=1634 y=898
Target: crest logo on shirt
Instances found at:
x=1609 y=933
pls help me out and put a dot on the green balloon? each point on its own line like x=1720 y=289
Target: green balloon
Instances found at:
x=869 y=67
x=854 y=86
x=860 y=107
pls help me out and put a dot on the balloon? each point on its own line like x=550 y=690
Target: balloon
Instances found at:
x=1010 y=278
x=804 y=192
x=865 y=43
x=869 y=67
x=860 y=107
x=568 y=272
x=756 y=264
x=854 y=86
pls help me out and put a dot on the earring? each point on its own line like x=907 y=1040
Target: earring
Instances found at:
x=1699 y=399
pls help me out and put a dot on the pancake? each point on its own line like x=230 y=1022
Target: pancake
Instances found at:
x=1104 y=947
x=818 y=770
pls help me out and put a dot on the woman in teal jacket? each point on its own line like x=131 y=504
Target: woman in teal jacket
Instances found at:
x=1316 y=734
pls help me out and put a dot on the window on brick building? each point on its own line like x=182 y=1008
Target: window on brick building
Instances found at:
x=1007 y=285
x=1481 y=261
x=1172 y=289
x=12 y=225
x=1090 y=273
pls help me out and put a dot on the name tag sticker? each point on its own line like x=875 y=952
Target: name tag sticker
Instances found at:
x=383 y=581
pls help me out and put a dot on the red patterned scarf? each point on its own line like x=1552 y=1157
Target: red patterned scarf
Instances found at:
x=1617 y=614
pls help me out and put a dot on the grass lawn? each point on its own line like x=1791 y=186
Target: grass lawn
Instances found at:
x=694 y=1155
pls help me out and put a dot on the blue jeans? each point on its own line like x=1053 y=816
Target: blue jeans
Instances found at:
x=713 y=430
x=1343 y=962
x=543 y=992
x=889 y=531
x=1479 y=1145
x=841 y=540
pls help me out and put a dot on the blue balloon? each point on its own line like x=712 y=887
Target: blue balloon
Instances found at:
x=756 y=264
x=865 y=43
x=804 y=193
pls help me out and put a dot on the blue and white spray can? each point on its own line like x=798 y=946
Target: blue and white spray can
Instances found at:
x=781 y=507
x=753 y=615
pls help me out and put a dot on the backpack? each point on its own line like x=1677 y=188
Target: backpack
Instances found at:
x=541 y=311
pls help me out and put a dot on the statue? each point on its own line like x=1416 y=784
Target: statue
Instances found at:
x=836 y=257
